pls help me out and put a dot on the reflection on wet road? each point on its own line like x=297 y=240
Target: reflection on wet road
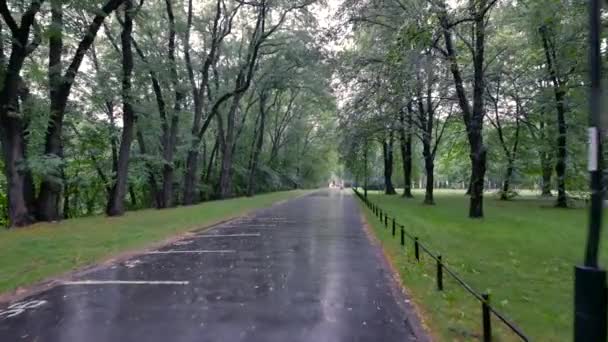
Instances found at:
x=300 y=271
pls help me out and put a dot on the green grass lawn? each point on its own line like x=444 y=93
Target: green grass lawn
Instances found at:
x=32 y=254
x=523 y=253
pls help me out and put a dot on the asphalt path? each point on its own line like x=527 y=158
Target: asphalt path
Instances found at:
x=303 y=270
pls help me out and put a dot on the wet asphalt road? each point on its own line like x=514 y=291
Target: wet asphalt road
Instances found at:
x=300 y=271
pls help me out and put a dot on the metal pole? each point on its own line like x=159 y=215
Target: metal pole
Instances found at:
x=394 y=227
x=487 y=323
x=365 y=170
x=439 y=273
x=595 y=139
x=590 y=281
x=402 y=236
x=416 y=249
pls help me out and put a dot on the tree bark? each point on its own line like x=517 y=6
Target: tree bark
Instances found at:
x=365 y=171
x=406 y=149
x=257 y=146
x=116 y=205
x=13 y=150
x=225 y=190
x=387 y=148
x=190 y=184
x=429 y=167
x=66 y=201
x=547 y=172
x=214 y=152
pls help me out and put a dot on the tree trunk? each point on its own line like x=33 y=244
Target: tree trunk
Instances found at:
x=225 y=190
x=116 y=203
x=478 y=163
x=365 y=172
x=429 y=167
x=212 y=158
x=559 y=93
x=504 y=195
x=257 y=146
x=406 y=150
x=13 y=150
x=50 y=187
x=170 y=131
x=190 y=178
x=168 y=167
x=11 y=123
x=547 y=172
x=560 y=166
x=66 y=201
x=387 y=148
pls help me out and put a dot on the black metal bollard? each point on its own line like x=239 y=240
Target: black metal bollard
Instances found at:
x=487 y=324
x=402 y=236
x=416 y=249
x=394 y=227
x=385 y=220
x=590 y=298
x=439 y=273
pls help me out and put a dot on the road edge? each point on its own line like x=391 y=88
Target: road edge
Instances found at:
x=23 y=292
x=414 y=317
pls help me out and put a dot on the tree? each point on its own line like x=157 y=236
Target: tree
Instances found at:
x=116 y=199
x=11 y=120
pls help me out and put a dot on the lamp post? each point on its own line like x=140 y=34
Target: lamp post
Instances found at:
x=590 y=280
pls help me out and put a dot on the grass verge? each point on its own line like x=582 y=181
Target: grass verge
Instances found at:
x=523 y=253
x=32 y=254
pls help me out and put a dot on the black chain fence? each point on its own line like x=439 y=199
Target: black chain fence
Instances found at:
x=487 y=310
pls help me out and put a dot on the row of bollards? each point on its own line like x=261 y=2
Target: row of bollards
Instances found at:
x=485 y=298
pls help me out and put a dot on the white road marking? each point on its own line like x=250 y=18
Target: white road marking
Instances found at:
x=17 y=309
x=193 y=252
x=228 y=235
x=247 y=225
x=183 y=243
x=132 y=263
x=124 y=282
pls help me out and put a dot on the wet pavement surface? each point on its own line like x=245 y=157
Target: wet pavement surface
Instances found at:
x=303 y=270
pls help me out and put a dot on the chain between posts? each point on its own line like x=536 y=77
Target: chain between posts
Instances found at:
x=484 y=298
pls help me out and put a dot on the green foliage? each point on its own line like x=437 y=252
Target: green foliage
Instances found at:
x=290 y=60
x=380 y=73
